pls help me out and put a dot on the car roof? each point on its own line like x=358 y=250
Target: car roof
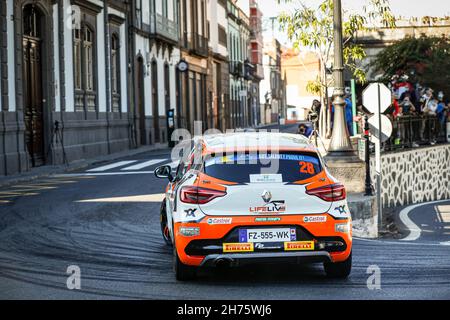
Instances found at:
x=257 y=140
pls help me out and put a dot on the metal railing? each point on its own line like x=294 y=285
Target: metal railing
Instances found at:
x=166 y=27
x=411 y=131
x=236 y=68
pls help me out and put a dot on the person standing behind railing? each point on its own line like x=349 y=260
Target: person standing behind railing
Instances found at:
x=441 y=114
x=406 y=110
x=430 y=110
x=424 y=110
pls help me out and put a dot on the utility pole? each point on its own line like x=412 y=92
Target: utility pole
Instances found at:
x=340 y=145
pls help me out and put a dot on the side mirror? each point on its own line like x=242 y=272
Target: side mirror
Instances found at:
x=164 y=172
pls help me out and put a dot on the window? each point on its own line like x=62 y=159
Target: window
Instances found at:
x=89 y=59
x=77 y=58
x=165 y=9
x=238 y=167
x=84 y=66
x=115 y=72
x=138 y=13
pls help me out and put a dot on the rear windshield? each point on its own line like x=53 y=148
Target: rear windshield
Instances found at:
x=254 y=167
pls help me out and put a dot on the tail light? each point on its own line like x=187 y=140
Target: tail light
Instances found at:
x=196 y=195
x=334 y=192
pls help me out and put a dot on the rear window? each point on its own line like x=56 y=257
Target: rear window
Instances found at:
x=253 y=167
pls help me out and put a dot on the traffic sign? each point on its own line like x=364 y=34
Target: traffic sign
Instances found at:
x=374 y=127
x=377 y=98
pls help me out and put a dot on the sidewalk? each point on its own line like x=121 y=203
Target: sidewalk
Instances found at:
x=46 y=171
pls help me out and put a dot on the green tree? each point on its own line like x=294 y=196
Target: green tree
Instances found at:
x=425 y=60
x=313 y=28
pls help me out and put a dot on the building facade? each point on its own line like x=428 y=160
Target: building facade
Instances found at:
x=240 y=68
x=64 y=92
x=194 y=49
x=86 y=78
x=272 y=88
x=218 y=75
x=300 y=67
x=256 y=59
x=154 y=48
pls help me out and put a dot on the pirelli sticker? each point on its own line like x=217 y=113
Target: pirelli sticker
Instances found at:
x=299 y=245
x=238 y=247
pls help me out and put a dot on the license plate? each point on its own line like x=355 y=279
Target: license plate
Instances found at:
x=267 y=235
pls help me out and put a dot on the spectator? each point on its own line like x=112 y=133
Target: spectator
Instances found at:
x=430 y=109
x=304 y=130
x=441 y=113
x=406 y=109
x=348 y=114
x=316 y=106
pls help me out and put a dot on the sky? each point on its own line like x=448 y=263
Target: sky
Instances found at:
x=404 y=8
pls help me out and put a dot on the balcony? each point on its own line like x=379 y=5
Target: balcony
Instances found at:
x=164 y=27
x=158 y=26
x=249 y=70
x=198 y=45
x=237 y=68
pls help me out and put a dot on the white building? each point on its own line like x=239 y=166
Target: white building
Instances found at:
x=84 y=78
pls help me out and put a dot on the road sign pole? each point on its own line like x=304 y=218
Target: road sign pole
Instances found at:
x=355 y=126
x=377 y=98
x=368 y=184
x=378 y=163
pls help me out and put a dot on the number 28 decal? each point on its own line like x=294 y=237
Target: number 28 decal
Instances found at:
x=306 y=167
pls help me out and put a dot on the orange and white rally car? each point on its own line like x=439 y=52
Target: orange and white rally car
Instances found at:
x=245 y=198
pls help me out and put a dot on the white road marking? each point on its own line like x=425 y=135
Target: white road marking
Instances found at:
x=111 y=166
x=145 y=164
x=156 y=197
x=102 y=174
x=414 y=230
x=432 y=244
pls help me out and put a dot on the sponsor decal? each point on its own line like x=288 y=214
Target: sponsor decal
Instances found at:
x=275 y=206
x=266 y=178
x=267 y=219
x=299 y=245
x=219 y=220
x=237 y=247
x=308 y=219
x=341 y=209
x=268 y=246
x=190 y=213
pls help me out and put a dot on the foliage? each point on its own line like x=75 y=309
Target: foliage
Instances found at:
x=425 y=60
x=313 y=28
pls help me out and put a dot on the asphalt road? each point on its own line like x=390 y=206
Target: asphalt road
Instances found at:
x=106 y=222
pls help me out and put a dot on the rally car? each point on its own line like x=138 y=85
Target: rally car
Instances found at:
x=246 y=198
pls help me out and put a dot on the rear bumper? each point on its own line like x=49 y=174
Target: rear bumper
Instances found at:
x=207 y=245
x=239 y=259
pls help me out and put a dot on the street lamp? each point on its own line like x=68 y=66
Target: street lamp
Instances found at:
x=340 y=145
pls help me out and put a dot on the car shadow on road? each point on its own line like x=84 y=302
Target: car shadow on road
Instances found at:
x=267 y=274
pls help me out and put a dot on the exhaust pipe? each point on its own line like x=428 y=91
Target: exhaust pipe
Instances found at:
x=223 y=262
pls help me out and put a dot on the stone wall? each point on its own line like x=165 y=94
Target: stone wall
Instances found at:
x=413 y=176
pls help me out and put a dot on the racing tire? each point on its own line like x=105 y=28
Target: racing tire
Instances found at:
x=164 y=227
x=339 y=270
x=183 y=272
